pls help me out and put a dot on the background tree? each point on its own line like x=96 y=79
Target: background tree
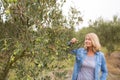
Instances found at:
x=108 y=32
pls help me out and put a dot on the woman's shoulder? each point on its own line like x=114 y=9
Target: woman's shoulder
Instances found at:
x=100 y=53
x=82 y=50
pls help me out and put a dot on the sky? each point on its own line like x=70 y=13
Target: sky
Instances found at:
x=93 y=9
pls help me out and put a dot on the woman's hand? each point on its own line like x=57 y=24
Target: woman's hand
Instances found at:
x=73 y=40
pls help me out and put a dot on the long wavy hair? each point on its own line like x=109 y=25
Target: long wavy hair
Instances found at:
x=95 y=42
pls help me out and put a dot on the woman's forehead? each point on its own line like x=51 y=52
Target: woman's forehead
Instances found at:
x=87 y=36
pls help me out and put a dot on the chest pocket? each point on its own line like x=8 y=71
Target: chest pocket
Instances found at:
x=80 y=55
x=99 y=64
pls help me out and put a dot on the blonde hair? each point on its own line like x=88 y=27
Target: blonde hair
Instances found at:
x=95 y=42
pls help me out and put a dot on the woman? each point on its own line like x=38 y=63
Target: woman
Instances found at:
x=90 y=61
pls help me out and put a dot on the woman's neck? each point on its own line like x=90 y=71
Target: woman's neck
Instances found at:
x=90 y=52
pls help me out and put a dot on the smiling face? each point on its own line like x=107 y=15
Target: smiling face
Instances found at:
x=92 y=42
x=88 y=42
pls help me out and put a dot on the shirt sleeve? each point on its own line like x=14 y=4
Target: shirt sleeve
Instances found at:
x=72 y=48
x=104 y=69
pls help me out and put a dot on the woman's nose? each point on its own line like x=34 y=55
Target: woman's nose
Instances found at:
x=86 y=40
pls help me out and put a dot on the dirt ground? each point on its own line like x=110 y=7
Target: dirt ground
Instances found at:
x=113 y=64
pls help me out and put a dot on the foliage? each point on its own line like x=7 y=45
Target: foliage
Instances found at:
x=33 y=40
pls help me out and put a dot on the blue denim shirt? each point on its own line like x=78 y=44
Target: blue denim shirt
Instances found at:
x=100 y=63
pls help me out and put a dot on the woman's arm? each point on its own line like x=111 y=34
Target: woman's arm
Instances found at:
x=72 y=44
